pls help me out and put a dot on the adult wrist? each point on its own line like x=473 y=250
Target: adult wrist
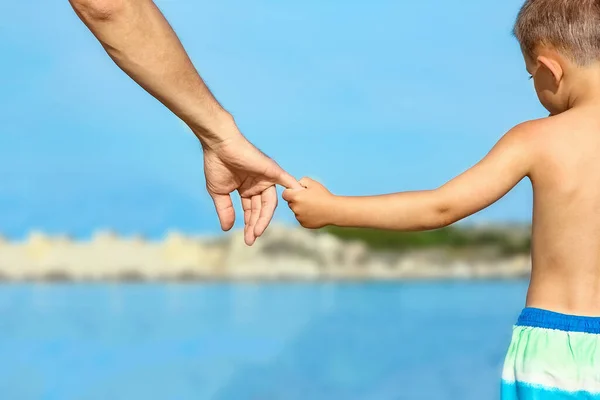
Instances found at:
x=214 y=131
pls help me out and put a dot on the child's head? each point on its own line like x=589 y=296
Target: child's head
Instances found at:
x=558 y=38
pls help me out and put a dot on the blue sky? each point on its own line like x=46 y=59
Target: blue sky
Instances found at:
x=369 y=97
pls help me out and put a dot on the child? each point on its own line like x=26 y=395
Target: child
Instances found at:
x=554 y=354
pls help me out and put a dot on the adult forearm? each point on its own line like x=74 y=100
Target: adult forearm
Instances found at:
x=409 y=211
x=142 y=43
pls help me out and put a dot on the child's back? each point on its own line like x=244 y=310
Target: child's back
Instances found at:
x=565 y=175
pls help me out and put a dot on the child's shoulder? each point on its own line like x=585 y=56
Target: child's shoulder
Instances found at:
x=531 y=141
x=528 y=133
x=548 y=130
x=532 y=128
x=535 y=134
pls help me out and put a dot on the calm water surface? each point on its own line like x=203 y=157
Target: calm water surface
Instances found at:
x=433 y=341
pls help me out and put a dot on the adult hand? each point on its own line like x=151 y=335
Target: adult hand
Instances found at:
x=235 y=164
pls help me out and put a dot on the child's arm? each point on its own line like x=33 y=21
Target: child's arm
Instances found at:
x=480 y=186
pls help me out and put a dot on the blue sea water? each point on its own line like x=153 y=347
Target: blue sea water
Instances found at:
x=433 y=341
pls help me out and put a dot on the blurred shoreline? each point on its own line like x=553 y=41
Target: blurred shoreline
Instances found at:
x=282 y=254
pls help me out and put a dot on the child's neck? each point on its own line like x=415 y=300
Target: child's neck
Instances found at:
x=584 y=87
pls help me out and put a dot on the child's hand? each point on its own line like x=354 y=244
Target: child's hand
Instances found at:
x=312 y=206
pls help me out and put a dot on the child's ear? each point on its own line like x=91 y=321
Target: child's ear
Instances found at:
x=553 y=66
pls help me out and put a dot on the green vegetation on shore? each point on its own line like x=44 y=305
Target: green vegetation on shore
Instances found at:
x=507 y=241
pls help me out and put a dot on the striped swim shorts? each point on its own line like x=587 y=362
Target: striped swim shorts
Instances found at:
x=552 y=356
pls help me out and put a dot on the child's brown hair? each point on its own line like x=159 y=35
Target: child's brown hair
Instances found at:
x=572 y=27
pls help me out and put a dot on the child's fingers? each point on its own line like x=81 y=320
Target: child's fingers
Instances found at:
x=289 y=194
x=306 y=182
x=293 y=207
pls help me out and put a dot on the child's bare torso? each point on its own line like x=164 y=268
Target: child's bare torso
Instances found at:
x=566 y=217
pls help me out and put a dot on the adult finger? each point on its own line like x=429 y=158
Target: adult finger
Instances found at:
x=247 y=207
x=267 y=209
x=249 y=235
x=249 y=217
x=225 y=210
x=286 y=180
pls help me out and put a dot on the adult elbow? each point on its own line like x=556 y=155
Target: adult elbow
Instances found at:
x=97 y=10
